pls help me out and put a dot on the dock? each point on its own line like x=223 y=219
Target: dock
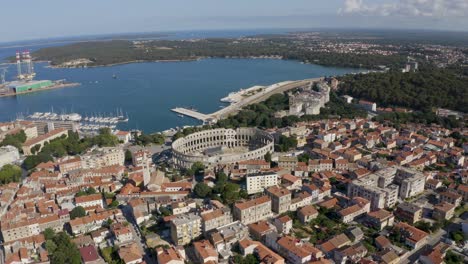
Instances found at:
x=192 y=114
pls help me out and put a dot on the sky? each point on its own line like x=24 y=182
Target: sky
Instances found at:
x=33 y=19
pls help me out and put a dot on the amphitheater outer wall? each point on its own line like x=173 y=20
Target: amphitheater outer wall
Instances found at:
x=259 y=141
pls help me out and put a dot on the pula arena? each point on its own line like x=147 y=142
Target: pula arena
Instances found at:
x=221 y=146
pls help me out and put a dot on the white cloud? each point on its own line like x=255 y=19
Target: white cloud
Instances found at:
x=425 y=8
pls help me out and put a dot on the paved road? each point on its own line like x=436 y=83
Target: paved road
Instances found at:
x=138 y=237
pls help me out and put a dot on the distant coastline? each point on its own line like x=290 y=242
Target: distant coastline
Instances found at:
x=144 y=61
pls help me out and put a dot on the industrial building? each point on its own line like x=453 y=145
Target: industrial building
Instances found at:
x=26 y=86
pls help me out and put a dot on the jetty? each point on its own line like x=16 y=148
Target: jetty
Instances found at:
x=192 y=114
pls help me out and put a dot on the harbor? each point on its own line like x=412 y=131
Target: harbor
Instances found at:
x=137 y=87
x=76 y=121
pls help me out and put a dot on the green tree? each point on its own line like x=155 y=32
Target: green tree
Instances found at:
x=452 y=258
x=15 y=140
x=32 y=161
x=78 y=211
x=50 y=246
x=49 y=233
x=164 y=211
x=231 y=193
x=65 y=251
x=10 y=173
x=268 y=157
x=202 y=190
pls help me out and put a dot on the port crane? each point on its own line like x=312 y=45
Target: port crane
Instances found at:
x=2 y=74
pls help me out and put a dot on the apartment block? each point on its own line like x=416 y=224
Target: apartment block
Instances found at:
x=369 y=188
x=216 y=218
x=280 y=199
x=185 y=228
x=257 y=182
x=408 y=212
x=253 y=210
x=103 y=157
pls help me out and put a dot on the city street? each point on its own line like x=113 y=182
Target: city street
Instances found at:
x=137 y=236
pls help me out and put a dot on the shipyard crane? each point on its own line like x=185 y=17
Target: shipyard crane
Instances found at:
x=2 y=74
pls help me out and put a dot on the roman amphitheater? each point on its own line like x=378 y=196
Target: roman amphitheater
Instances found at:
x=221 y=146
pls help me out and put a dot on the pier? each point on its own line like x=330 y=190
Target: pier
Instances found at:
x=236 y=107
x=192 y=114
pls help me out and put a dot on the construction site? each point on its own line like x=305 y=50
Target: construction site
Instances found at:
x=25 y=82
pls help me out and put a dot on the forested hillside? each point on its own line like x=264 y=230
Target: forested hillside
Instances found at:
x=421 y=90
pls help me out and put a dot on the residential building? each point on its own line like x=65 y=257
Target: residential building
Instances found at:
x=359 y=206
x=307 y=213
x=287 y=162
x=283 y=224
x=185 y=228
x=266 y=255
x=451 y=197
x=443 y=211
x=205 y=252
x=121 y=233
x=260 y=229
x=413 y=236
x=91 y=200
x=435 y=254
x=411 y=182
x=257 y=182
x=253 y=166
x=369 y=188
x=130 y=254
x=380 y=219
x=169 y=256
x=297 y=252
x=408 y=212
x=103 y=157
x=89 y=255
x=291 y=182
x=216 y=218
x=280 y=199
x=253 y=210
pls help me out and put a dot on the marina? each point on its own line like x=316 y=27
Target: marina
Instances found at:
x=89 y=123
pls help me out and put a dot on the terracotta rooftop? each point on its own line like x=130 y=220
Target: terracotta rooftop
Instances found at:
x=38 y=139
x=89 y=254
x=308 y=210
x=253 y=202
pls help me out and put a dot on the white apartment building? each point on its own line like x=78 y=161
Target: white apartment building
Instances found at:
x=411 y=182
x=256 y=183
x=369 y=188
x=103 y=157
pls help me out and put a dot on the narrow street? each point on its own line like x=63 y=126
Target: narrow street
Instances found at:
x=138 y=237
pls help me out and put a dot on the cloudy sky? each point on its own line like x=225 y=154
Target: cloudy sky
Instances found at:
x=32 y=19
